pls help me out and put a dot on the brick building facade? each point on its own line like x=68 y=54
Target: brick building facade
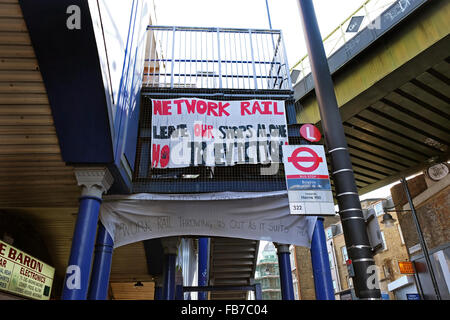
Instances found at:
x=432 y=204
x=386 y=259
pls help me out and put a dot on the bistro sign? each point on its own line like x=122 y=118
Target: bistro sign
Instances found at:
x=24 y=275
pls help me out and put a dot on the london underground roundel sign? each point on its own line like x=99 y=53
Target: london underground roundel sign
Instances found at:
x=311 y=158
x=310 y=133
x=307 y=180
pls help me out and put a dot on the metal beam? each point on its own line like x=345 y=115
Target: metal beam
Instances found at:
x=415 y=46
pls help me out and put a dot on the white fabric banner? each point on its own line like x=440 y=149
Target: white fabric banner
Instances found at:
x=246 y=215
x=191 y=131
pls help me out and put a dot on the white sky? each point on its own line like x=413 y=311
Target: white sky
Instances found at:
x=284 y=15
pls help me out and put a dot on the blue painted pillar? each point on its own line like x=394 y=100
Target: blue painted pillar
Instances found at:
x=94 y=181
x=203 y=258
x=258 y=291
x=158 y=293
x=158 y=288
x=284 y=264
x=169 y=277
x=170 y=246
x=321 y=264
x=179 y=294
x=77 y=275
x=101 y=269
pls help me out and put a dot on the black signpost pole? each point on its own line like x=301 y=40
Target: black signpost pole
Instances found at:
x=359 y=250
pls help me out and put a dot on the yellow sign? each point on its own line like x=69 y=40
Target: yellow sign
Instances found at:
x=24 y=275
x=406 y=267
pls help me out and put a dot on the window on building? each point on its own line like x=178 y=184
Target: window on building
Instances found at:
x=296 y=297
x=387 y=271
x=384 y=241
x=334 y=286
x=330 y=259
x=295 y=285
x=350 y=282
x=292 y=259
x=378 y=208
x=329 y=233
x=401 y=234
x=344 y=254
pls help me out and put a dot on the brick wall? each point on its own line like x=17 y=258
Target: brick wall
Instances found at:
x=305 y=274
x=433 y=214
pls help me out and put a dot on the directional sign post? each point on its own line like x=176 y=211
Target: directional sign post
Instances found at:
x=307 y=180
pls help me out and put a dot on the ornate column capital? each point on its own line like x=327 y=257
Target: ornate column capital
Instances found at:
x=94 y=180
x=282 y=248
x=170 y=245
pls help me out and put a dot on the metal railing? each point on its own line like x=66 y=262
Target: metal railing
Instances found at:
x=366 y=15
x=216 y=58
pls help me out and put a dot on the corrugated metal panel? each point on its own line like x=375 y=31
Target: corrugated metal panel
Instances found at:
x=32 y=173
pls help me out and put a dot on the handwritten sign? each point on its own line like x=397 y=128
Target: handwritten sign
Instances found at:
x=24 y=275
x=245 y=215
x=195 y=132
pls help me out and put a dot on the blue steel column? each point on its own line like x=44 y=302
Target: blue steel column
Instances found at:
x=170 y=246
x=104 y=247
x=94 y=181
x=77 y=276
x=169 y=276
x=158 y=288
x=320 y=263
x=284 y=264
x=203 y=258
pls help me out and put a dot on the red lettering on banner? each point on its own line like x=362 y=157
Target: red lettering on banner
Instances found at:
x=165 y=156
x=166 y=108
x=203 y=130
x=202 y=107
x=160 y=155
x=162 y=107
x=197 y=130
x=178 y=103
x=256 y=108
x=191 y=107
x=275 y=109
x=155 y=155
x=157 y=107
x=266 y=105
x=212 y=108
x=210 y=135
x=244 y=108
x=222 y=109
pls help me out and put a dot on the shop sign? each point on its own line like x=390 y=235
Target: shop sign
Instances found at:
x=24 y=275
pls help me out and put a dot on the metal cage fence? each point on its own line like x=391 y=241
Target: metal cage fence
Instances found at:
x=216 y=58
x=240 y=177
